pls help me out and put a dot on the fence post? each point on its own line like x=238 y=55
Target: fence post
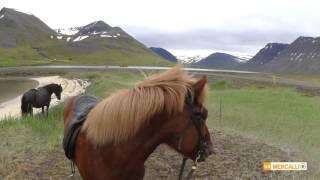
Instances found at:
x=274 y=80
x=220 y=110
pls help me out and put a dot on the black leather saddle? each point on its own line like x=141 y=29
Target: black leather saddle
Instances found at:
x=82 y=106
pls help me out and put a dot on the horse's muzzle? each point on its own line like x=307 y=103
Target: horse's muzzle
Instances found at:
x=206 y=152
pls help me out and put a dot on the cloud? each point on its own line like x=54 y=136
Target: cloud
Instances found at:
x=228 y=25
x=239 y=40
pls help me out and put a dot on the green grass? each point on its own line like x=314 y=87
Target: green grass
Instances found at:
x=276 y=115
x=21 y=56
x=104 y=52
x=314 y=77
x=31 y=136
x=104 y=84
x=219 y=85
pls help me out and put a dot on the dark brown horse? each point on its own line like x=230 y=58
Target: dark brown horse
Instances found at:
x=121 y=131
x=39 y=98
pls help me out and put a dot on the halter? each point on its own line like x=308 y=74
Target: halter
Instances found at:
x=198 y=119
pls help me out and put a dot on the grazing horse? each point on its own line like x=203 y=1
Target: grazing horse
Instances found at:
x=39 y=98
x=120 y=132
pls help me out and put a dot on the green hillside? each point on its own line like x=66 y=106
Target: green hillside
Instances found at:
x=26 y=40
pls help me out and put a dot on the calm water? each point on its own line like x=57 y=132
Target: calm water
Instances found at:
x=11 y=88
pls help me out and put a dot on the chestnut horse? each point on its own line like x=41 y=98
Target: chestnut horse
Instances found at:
x=121 y=131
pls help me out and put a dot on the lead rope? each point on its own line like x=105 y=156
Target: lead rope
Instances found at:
x=182 y=167
x=193 y=168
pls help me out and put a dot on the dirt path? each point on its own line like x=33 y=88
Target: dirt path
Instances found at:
x=236 y=158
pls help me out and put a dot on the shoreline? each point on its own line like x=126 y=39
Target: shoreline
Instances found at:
x=71 y=87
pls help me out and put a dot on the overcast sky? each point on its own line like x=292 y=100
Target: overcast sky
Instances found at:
x=235 y=26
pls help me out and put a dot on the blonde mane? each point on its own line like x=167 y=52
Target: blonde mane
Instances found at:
x=121 y=115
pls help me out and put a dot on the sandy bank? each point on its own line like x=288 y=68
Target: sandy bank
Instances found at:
x=71 y=87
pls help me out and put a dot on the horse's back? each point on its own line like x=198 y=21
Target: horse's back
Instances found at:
x=30 y=93
x=75 y=114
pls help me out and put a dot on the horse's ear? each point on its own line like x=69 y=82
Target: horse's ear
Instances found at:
x=200 y=88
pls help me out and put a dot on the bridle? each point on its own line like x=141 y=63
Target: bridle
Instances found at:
x=198 y=120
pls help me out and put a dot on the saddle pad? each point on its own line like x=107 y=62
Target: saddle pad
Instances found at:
x=82 y=106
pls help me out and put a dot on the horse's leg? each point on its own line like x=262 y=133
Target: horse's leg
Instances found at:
x=42 y=109
x=30 y=110
x=48 y=105
x=48 y=109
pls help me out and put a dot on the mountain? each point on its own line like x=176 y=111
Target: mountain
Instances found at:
x=100 y=43
x=164 y=53
x=219 y=60
x=25 y=40
x=302 y=55
x=97 y=29
x=18 y=29
x=265 y=55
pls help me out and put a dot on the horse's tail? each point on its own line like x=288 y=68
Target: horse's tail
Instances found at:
x=24 y=105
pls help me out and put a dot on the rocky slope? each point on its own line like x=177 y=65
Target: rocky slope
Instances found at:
x=265 y=55
x=301 y=56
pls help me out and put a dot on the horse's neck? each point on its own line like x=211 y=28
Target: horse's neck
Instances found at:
x=49 y=89
x=149 y=138
x=125 y=160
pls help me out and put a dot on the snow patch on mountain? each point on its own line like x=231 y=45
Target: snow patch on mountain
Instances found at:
x=23 y=12
x=80 y=38
x=242 y=57
x=189 y=59
x=97 y=29
x=194 y=56
x=189 y=56
x=106 y=35
x=68 y=31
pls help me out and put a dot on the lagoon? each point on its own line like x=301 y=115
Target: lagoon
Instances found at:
x=13 y=87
